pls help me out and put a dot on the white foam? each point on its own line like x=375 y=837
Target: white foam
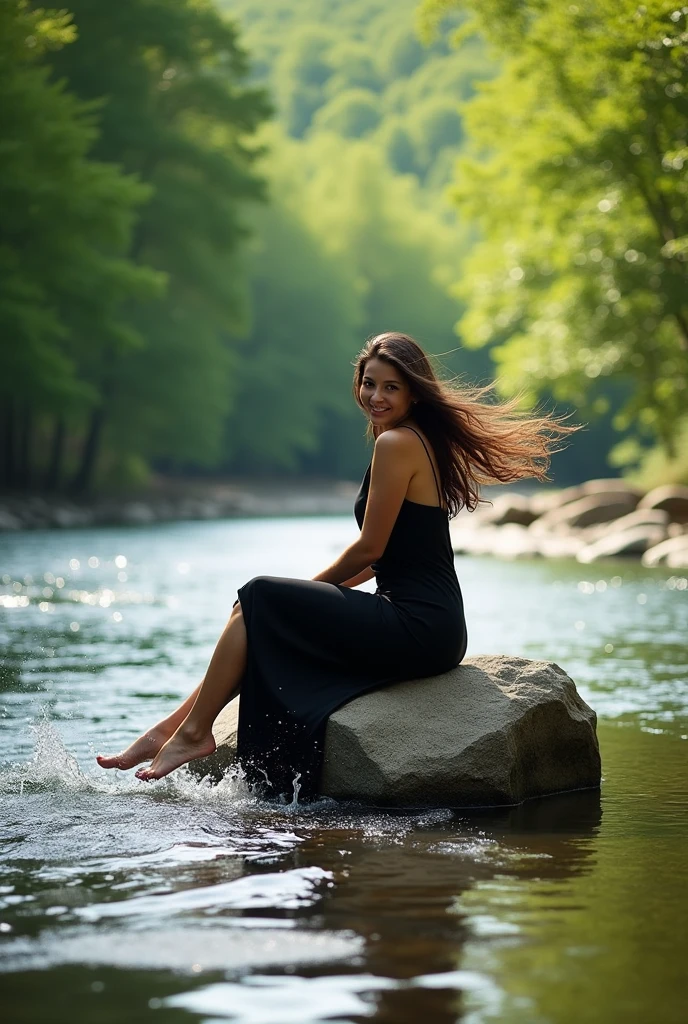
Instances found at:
x=54 y=768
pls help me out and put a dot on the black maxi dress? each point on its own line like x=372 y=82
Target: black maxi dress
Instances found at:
x=314 y=646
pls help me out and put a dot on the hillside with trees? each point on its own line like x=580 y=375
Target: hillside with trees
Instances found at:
x=208 y=207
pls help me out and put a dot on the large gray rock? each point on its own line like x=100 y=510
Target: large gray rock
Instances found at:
x=546 y=501
x=672 y=552
x=495 y=730
x=510 y=509
x=587 y=511
x=672 y=498
x=626 y=542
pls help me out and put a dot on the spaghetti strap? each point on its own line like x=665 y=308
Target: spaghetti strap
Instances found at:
x=432 y=467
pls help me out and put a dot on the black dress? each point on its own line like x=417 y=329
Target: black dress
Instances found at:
x=314 y=646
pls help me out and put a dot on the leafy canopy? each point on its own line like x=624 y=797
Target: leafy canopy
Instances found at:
x=579 y=183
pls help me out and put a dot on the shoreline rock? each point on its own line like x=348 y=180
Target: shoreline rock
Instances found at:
x=596 y=520
x=495 y=731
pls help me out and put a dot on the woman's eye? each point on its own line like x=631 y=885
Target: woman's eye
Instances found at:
x=392 y=387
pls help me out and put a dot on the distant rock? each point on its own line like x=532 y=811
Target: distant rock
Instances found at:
x=624 y=542
x=587 y=511
x=610 y=485
x=672 y=552
x=509 y=509
x=8 y=521
x=69 y=517
x=559 y=545
x=641 y=517
x=547 y=501
x=672 y=498
x=495 y=730
x=510 y=541
x=135 y=513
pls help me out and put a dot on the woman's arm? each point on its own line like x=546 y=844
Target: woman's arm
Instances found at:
x=362 y=577
x=390 y=474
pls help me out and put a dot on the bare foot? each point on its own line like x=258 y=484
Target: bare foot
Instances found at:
x=143 y=749
x=178 y=750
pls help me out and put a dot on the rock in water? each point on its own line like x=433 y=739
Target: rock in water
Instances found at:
x=495 y=730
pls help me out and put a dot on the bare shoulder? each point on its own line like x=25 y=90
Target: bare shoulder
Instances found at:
x=397 y=441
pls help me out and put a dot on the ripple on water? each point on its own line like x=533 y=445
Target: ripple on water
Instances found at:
x=188 y=948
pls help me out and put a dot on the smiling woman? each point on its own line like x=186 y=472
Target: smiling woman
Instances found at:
x=299 y=649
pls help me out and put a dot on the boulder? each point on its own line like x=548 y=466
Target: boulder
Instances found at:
x=559 y=545
x=587 y=511
x=672 y=552
x=641 y=517
x=546 y=501
x=509 y=509
x=610 y=485
x=496 y=730
x=626 y=542
x=672 y=498
x=511 y=541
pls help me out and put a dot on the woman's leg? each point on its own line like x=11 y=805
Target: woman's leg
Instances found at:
x=194 y=736
x=149 y=743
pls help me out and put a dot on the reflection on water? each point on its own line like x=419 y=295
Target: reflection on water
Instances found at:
x=183 y=902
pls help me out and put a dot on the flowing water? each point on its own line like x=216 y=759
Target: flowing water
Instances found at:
x=183 y=902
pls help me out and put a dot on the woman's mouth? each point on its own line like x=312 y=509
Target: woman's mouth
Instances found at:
x=377 y=412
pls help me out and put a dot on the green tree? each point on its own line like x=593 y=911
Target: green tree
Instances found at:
x=66 y=226
x=579 y=183
x=300 y=76
x=352 y=113
x=293 y=375
x=174 y=110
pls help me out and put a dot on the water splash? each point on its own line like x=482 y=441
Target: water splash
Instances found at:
x=53 y=768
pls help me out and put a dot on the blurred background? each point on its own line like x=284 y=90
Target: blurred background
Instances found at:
x=207 y=208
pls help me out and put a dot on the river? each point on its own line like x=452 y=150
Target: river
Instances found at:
x=182 y=902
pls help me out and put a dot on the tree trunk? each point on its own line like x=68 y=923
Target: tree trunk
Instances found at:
x=83 y=478
x=54 y=468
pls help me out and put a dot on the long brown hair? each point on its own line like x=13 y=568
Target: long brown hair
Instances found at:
x=475 y=441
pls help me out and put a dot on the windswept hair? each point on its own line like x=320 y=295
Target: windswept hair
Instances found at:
x=476 y=442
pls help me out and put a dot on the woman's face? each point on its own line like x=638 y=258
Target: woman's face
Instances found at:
x=384 y=394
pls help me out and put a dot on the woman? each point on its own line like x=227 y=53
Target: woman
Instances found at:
x=300 y=649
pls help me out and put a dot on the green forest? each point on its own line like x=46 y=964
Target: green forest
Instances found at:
x=207 y=207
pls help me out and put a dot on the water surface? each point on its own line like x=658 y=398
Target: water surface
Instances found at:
x=179 y=901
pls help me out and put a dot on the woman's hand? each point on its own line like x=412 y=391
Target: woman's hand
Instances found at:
x=362 y=577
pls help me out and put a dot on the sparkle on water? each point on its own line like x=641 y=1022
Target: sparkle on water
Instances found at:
x=120 y=900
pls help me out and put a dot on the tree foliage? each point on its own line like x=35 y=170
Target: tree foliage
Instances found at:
x=358 y=68
x=344 y=249
x=174 y=111
x=66 y=227
x=579 y=183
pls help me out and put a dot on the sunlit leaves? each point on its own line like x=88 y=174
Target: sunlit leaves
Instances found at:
x=578 y=181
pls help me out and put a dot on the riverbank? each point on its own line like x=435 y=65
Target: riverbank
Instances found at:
x=590 y=521
x=179 y=501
